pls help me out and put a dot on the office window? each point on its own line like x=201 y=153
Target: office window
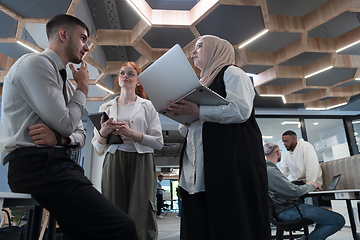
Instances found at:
x=273 y=128
x=328 y=138
x=169 y=196
x=174 y=185
x=356 y=126
x=165 y=183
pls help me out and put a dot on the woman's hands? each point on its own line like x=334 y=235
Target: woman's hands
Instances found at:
x=117 y=128
x=106 y=127
x=183 y=107
x=123 y=129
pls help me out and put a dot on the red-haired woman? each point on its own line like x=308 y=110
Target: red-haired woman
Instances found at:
x=129 y=173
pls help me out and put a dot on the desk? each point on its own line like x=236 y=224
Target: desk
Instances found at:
x=347 y=195
x=8 y=199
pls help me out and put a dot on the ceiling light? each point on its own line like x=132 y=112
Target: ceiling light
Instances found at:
x=254 y=37
x=24 y=45
x=322 y=70
x=267 y=137
x=274 y=95
x=319 y=108
x=105 y=88
x=316 y=123
x=350 y=45
x=139 y=12
x=337 y=105
x=354 y=122
x=357 y=78
x=291 y=122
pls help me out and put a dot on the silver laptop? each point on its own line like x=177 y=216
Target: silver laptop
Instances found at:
x=171 y=77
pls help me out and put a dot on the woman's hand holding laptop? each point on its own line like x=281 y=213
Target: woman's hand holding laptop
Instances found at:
x=183 y=107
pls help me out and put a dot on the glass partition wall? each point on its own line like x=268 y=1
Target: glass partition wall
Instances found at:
x=273 y=128
x=356 y=126
x=327 y=135
x=328 y=138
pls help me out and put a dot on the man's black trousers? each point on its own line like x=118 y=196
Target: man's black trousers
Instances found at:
x=59 y=185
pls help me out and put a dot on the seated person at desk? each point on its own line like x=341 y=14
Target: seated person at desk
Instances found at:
x=282 y=190
x=301 y=161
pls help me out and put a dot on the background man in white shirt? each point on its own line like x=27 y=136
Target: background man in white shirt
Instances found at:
x=300 y=161
x=40 y=121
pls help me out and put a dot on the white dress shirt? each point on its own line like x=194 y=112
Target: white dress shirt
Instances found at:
x=302 y=164
x=33 y=94
x=240 y=94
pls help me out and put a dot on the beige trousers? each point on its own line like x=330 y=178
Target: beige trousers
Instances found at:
x=129 y=181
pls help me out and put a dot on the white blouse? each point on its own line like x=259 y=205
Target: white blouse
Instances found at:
x=144 y=119
x=240 y=94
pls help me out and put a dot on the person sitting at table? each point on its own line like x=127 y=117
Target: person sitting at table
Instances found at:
x=300 y=161
x=281 y=190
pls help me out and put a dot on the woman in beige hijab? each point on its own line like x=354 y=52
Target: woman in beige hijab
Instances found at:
x=223 y=174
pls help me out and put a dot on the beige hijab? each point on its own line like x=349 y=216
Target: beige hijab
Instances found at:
x=217 y=53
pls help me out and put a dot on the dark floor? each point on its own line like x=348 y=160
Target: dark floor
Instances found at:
x=169 y=229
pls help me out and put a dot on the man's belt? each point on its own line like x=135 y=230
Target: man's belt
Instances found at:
x=20 y=152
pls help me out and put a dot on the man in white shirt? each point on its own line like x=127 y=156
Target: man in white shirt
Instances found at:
x=300 y=161
x=40 y=124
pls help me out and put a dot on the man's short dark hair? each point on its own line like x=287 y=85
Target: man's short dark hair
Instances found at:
x=160 y=176
x=289 y=133
x=63 y=21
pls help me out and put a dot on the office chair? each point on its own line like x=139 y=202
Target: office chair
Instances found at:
x=289 y=226
x=166 y=208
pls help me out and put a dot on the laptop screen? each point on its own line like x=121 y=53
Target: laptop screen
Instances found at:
x=334 y=182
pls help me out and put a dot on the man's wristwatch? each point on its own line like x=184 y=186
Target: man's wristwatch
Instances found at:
x=58 y=138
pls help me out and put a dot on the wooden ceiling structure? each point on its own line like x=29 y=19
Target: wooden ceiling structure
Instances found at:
x=321 y=97
x=335 y=94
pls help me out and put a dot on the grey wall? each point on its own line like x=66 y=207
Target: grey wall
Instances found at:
x=4 y=187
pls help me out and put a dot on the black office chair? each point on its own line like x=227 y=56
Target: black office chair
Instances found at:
x=289 y=226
